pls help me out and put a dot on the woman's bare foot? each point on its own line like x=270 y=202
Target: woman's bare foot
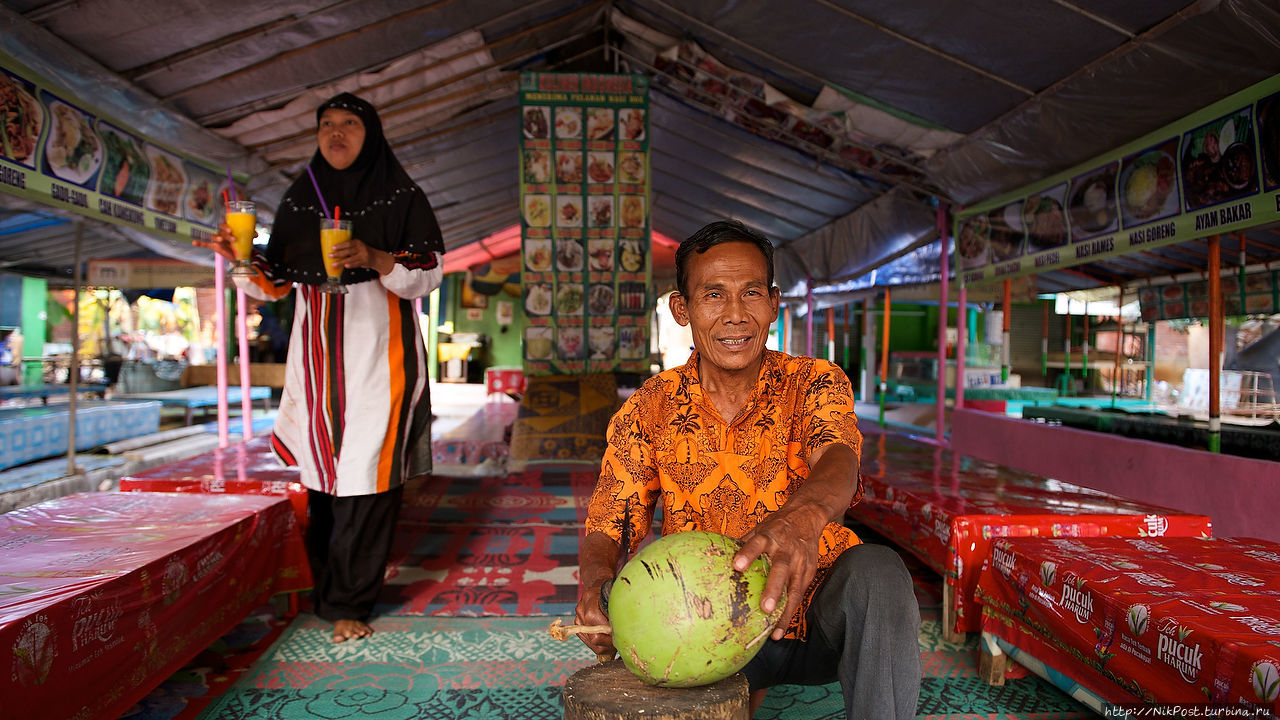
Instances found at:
x=344 y=630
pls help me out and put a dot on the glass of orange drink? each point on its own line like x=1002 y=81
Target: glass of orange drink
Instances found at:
x=242 y=218
x=333 y=232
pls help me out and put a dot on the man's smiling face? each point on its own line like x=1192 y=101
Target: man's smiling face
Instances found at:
x=730 y=306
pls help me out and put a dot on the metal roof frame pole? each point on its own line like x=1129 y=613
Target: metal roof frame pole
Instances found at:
x=242 y=330
x=220 y=340
x=867 y=382
x=1084 y=350
x=1044 y=341
x=884 y=354
x=73 y=374
x=944 y=297
x=1215 y=343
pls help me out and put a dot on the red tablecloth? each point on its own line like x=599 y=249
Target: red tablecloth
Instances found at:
x=945 y=509
x=247 y=468
x=104 y=595
x=1161 y=620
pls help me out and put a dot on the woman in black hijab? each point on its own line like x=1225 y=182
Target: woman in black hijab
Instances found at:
x=355 y=404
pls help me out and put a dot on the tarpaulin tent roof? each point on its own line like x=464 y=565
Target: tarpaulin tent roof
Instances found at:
x=833 y=126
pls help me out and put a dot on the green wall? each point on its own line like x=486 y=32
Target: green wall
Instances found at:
x=505 y=348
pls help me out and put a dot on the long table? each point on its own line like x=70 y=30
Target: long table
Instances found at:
x=1255 y=441
x=35 y=433
x=947 y=508
x=1143 y=620
x=104 y=595
x=246 y=468
x=202 y=397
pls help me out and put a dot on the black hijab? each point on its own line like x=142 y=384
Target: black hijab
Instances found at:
x=387 y=208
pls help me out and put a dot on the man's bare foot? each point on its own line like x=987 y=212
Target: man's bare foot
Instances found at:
x=344 y=630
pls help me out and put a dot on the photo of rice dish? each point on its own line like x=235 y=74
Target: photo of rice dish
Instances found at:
x=537 y=255
x=632 y=214
x=631 y=167
x=568 y=122
x=599 y=123
x=537 y=210
x=72 y=150
x=23 y=117
x=569 y=211
x=600 y=252
x=600 y=210
x=537 y=166
x=200 y=205
x=537 y=298
x=569 y=167
x=165 y=194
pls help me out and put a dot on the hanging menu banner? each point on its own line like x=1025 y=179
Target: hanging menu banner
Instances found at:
x=57 y=150
x=1215 y=171
x=584 y=199
x=1258 y=293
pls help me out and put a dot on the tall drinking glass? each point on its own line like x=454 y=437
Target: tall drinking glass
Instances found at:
x=333 y=232
x=242 y=218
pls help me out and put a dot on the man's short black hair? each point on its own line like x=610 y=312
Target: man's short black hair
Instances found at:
x=716 y=233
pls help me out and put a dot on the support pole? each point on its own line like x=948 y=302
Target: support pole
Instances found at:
x=73 y=376
x=1115 y=372
x=784 y=342
x=831 y=334
x=1150 y=357
x=1007 y=320
x=220 y=340
x=1066 y=354
x=1084 y=349
x=884 y=356
x=868 y=353
x=1215 y=343
x=962 y=336
x=1044 y=340
x=848 y=310
x=242 y=330
x=808 y=318
x=944 y=299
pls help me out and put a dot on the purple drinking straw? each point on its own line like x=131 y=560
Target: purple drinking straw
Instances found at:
x=316 y=185
x=231 y=184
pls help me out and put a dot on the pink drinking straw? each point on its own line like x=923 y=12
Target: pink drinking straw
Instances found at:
x=316 y=185
x=231 y=183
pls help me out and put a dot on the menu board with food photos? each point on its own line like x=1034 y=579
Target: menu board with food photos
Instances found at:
x=584 y=201
x=58 y=150
x=1259 y=293
x=1214 y=171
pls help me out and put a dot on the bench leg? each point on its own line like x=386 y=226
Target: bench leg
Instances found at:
x=949 y=633
x=992 y=661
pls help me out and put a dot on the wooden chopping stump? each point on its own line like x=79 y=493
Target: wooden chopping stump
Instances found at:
x=609 y=691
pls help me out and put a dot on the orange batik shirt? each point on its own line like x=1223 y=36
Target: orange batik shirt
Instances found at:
x=669 y=444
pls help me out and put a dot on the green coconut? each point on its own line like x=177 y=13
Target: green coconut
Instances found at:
x=682 y=616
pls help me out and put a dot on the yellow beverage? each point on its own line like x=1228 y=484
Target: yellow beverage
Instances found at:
x=329 y=237
x=242 y=225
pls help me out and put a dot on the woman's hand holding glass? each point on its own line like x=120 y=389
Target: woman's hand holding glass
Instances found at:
x=355 y=254
x=222 y=242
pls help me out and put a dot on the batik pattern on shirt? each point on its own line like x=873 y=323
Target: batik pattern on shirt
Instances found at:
x=669 y=445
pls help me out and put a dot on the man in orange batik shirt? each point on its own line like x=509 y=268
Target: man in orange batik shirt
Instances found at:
x=761 y=446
